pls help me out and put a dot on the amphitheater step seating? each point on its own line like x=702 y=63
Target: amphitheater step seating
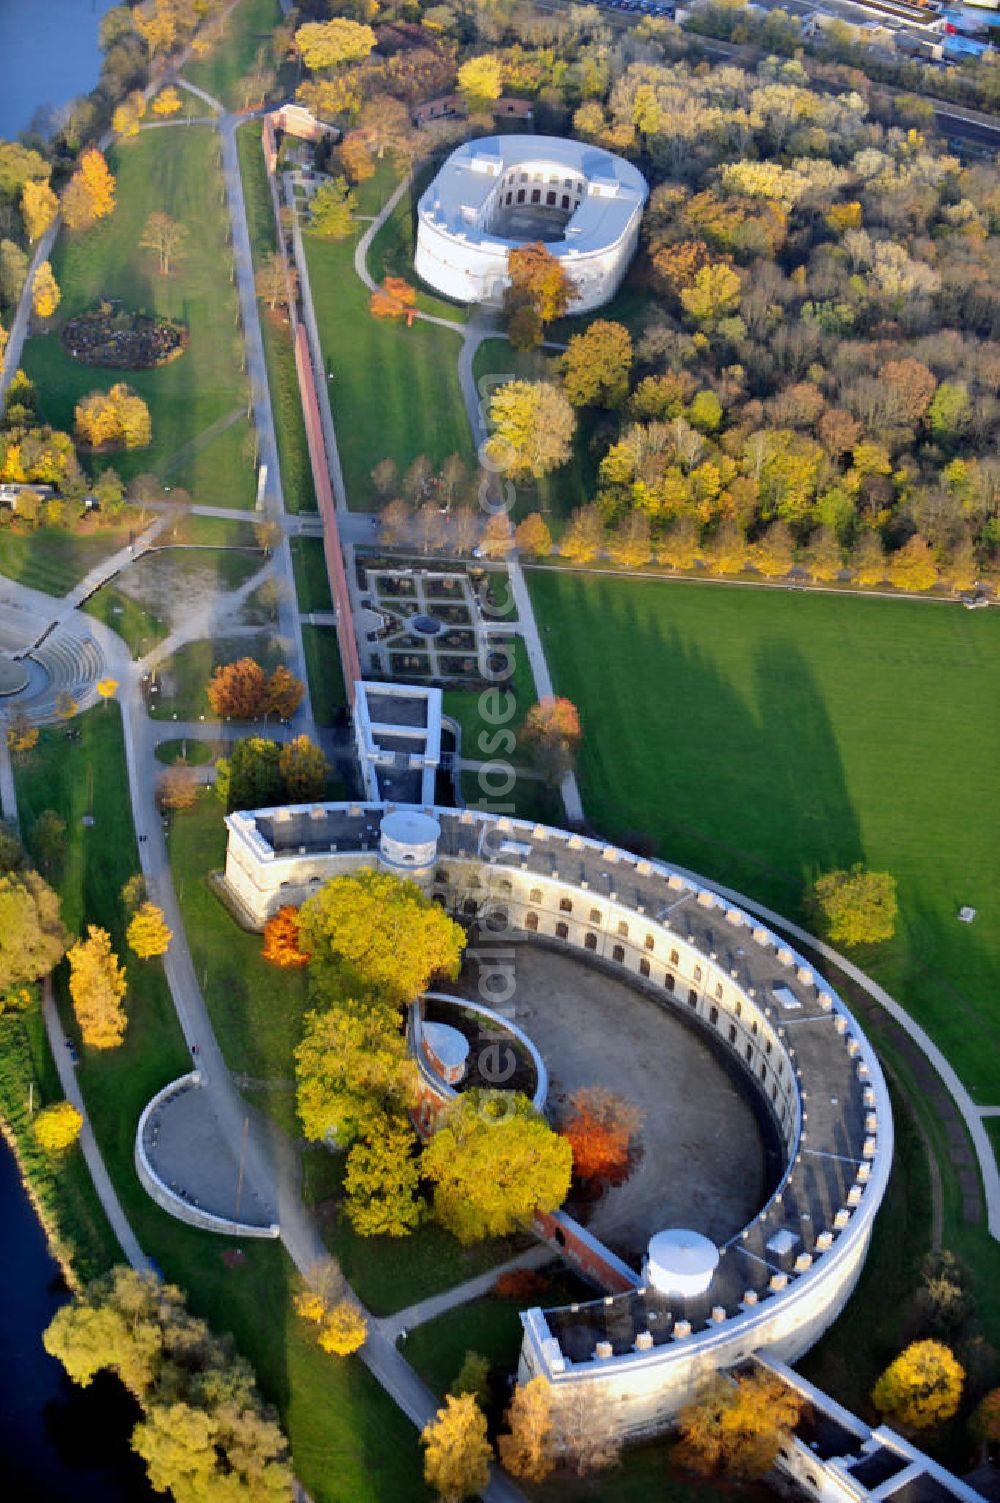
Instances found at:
x=73 y=664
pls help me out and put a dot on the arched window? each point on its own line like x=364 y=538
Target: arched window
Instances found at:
x=618 y=953
x=718 y=991
x=590 y=941
x=670 y=981
x=531 y=922
x=644 y=967
x=441 y=876
x=562 y=931
x=595 y=915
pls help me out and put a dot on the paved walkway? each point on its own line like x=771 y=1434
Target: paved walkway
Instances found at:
x=395 y=1326
x=214 y=618
x=8 y=796
x=120 y=1224
x=528 y=627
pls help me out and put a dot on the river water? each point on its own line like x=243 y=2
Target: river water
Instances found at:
x=48 y=55
x=57 y=1442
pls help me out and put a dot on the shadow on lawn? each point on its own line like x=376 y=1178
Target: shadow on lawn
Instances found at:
x=748 y=788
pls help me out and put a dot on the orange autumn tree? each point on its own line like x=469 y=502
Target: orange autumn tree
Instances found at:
x=244 y=691
x=600 y=1128
x=281 y=940
x=394 y=299
x=551 y=732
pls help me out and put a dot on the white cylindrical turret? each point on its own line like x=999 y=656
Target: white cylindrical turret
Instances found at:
x=408 y=845
x=681 y=1262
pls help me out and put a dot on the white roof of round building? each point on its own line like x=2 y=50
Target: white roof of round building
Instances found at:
x=681 y=1261
x=410 y=827
x=616 y=191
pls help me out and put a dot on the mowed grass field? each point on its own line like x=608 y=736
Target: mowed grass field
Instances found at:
x=197 y=402
x=764 y=737
x=395 y=391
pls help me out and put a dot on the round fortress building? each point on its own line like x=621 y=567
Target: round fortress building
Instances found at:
x=499 y=192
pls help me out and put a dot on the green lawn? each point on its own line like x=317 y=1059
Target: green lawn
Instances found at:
x=392 y=250
x=325 y=673
x=349 y=1441
x=184 y=676
x=192 y=400
x=54 y=559
x=555 y=495
x=248 y=28
x=195 y=753
x=279 y=353
x=138 y=623
x=764 y=737
x=312 y=582
x=256 y=1008
x=395 y=391
x=478 y=733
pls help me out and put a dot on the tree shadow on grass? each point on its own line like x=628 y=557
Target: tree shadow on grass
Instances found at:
x=740 y=779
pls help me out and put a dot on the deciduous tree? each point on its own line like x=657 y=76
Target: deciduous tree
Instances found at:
x=913 y=566
x=327 y=44
x=304 y=770
x=394 y=523
x=551 y=731
x=276 y=283
x=58 y=1127
x=527 y=1451
x=630 y=545
x=596 y=365
x=32 y=938
x=167 y=101
x=533 y=426
x=21 y=735
x=45 y=294
x=97 y=985
x=599 y=1127
x=473 y=1377
x=480 y=81
x=283 y=693
x=39 y=206
x=281 y=940
x=737 y=1425
x=177 y=787
x=332 y=208
x=355 y=158
x=114 y=419
x=823 y=557
x=537 y=279
x=868 y=558
x=533 y=536
x=384 y=123
x=774 y=552
x=493 y=1162
x=382 y=1182
x=584 y=537
x=458 y=1454
x=856 y=907
x=344 y=1329
x=238 y=690
x=90 y=193
x=922 y=1387
x=148 y=933
x=165 y=237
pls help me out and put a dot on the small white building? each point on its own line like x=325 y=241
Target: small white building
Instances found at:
x=500 y=192
x=397 y=729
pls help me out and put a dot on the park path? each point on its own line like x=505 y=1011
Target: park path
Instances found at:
x=396 y=1326
x=212 y=618
x=119 y=1222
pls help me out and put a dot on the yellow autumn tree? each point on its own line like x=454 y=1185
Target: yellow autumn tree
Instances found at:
x=115 y=419
x=167 y=101
x=38 y=207
x=528 y=1451
x=90 y=193
x=533 y=425
x=922 y=1387
x=737 y=1426
x=458 y=1453
x=480 y=81
x=97 y=985
x=912 y=567
x=127 y=115
x=343 y=1329
x=45 y=294
x=327 y=44
x=147 y=933
x=58 y=1127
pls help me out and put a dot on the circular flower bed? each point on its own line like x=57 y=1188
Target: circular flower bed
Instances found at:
x=123 y=340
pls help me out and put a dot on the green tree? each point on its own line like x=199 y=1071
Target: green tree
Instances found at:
x=737 y=1425
x=381 y=934
x=32 y=938
x=473 y=1377
x=856 y=907
x=493 y=1163
x=332 y=208
x=251 y=777
x=48 y=841
x=458 y=1454
x=382 y=1182
x=596 y=365
x=922 y=1387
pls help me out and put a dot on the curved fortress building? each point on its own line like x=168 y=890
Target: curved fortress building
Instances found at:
x=795 y=1051
x=494 y=194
